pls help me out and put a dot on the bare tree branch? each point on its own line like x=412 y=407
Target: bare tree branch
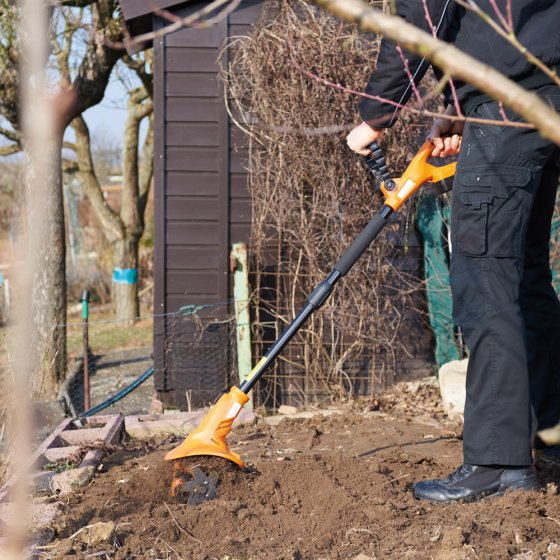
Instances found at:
x=110 y=220
x=88 y=87
x=451 y=60
x=407 y=108
x=192 y=20
x=507 y=33
x=146 y=169
x=73 y=3
x=448 y=78
x=10 y=150
x=139 y=66
x=138 y=109
x=12 y=135
x=70 y=166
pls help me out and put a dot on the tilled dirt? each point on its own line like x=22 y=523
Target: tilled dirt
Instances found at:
x=321 y=488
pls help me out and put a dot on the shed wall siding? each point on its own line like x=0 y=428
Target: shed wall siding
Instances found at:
x=204 y=204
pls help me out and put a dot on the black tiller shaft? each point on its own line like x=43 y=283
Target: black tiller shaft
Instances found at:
x=321 y=293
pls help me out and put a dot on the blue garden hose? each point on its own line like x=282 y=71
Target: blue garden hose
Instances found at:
x=118 y=396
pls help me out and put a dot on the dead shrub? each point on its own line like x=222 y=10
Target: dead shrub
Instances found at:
x=311 y=197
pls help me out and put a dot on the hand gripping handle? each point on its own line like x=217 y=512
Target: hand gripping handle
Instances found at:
x=418 y=172
x=378 y=166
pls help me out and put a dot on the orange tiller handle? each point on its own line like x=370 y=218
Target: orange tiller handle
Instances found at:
x=418 y=172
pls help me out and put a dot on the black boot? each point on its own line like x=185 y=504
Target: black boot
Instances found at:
x=471 y=482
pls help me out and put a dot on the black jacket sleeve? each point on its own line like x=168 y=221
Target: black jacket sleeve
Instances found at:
x=390 y=80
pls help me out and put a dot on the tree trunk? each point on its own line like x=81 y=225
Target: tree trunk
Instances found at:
x=125 y=280
x=48 y=340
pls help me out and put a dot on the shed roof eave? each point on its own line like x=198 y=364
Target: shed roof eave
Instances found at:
x=138 y=18
x=136 y=9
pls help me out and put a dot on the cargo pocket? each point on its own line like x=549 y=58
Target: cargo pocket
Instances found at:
x=493 y=209
x=473 y=222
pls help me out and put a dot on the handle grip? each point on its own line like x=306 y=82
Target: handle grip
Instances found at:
x=378 y=166
x=418 y=172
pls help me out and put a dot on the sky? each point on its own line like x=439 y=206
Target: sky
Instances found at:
x=107 y=119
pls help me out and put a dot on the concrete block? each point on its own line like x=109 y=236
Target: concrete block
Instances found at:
x=180 y=424
x=156 y=405
x=96 y=533
x=277 y=418
x=65 y=443
x=287 y=410
x=37 y=514
x=452 y=379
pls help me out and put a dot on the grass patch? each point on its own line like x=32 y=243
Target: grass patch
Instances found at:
x=106 y=335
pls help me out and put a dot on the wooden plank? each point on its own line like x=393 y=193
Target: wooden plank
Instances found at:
x=223 y=223
x=240 y=210
x=190 y=59
x=239 y=185
x=192 y=134
x=237 y=138
x=246 y=13
x=136 y=8
x=240 y=29
x=192 y=159
x=192 y=282
x=240 y=232
x=192 y=37
x=239 y=161
x=192 y=183
x=183 y=257
x=193 y=233
x=198 y=84
x=159 y=212
x=192 y=208
x=181 y=109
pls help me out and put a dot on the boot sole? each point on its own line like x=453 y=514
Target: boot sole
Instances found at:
x=530 y=484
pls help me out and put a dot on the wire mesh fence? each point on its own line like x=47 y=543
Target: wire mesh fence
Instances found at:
x=200 y=358
x=117 y=355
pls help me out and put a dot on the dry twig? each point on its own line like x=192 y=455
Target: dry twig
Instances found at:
x=182 y=529
x=311 y=197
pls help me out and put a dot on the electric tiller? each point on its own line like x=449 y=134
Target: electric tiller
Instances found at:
x=210 y=437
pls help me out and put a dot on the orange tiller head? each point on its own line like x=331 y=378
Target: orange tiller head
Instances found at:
x=210 y=437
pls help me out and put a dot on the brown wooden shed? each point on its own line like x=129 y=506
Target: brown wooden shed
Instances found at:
x=202 y=205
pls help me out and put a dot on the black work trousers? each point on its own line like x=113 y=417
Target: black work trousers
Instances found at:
x=502 y=206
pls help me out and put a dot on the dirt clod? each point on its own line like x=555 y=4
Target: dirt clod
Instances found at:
x=345 y=496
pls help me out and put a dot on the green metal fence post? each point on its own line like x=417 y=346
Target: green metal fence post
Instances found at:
x=85 y=320
x=241 y=297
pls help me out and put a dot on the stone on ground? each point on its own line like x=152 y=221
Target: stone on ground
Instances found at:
x=287 y=410
x=551 y=436
x=452 y=379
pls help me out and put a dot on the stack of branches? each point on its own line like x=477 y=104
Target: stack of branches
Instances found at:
x=311 y=196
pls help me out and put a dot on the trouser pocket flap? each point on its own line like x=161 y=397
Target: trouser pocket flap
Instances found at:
x=475 y=199
x=511 y=175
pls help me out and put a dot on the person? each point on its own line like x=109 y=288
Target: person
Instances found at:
x=503 y=200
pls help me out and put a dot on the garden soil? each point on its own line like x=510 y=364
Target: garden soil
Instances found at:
x=331 y=486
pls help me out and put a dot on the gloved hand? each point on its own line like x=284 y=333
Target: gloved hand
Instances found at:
x=362 y=136
x=446 y=135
